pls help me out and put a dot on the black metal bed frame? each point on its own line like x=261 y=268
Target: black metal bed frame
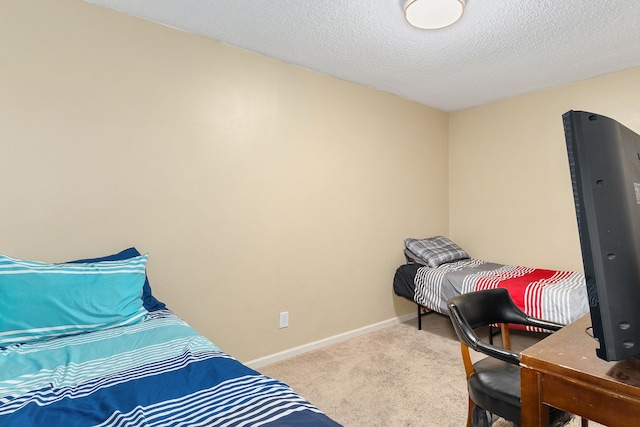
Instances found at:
x=424 y=311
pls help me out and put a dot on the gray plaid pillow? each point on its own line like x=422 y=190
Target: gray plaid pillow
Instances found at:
x=435 y=251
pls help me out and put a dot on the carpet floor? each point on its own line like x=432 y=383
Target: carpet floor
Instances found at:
x=396 y=376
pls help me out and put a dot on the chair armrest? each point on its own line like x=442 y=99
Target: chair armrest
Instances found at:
x=510 y=356
x=498 y=352
x=543 y=324
x=467 y=335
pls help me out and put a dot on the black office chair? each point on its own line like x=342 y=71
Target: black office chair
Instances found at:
x=494 y=382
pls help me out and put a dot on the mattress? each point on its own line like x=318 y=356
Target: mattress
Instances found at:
x=558 y=296
x=404 y=280
x=157 y=372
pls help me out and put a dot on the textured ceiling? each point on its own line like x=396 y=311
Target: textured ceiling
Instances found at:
x=499 y=49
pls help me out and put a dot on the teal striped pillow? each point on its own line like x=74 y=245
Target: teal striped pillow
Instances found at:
x=40 y=300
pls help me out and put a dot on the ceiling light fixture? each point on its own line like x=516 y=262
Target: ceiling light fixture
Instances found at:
x=433 y=14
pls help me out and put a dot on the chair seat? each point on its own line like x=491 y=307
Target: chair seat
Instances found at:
x=495 y=386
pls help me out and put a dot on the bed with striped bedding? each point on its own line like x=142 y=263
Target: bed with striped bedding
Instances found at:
x=86 y=343
x=157 y=372
x=559 y=296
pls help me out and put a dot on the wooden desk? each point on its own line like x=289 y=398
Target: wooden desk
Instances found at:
x=563 y=371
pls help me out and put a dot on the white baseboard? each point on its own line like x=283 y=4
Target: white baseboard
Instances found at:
x=277 y=357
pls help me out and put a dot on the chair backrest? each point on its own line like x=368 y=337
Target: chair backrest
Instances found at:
x=488 y=307
x=483 y=308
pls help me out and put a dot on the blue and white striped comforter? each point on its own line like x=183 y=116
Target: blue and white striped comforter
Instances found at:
x=159 y=372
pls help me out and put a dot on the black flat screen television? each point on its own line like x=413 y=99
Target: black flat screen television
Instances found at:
x=604 y=161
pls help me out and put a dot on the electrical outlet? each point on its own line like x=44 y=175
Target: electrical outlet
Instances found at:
x=284 y=319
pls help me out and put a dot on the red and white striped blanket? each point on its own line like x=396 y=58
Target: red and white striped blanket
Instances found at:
x=558 y=296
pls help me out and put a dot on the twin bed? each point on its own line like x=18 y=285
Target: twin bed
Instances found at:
x=437 y=270
x=87 y=344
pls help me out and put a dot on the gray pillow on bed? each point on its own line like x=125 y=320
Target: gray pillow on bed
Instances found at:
x=412 y=258
x=435 y=251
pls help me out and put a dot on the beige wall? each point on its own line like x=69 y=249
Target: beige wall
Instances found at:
x=256 y=186
x=510 y=188
x=259 y=187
